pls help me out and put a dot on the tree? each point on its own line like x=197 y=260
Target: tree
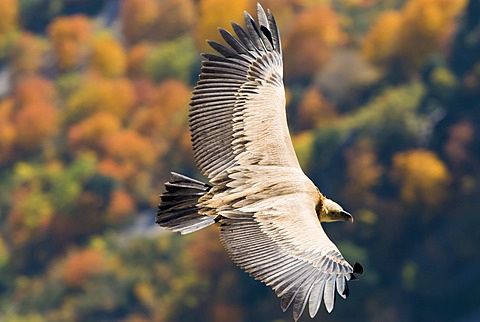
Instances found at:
x=137 y=18
x=136 y=58
x=456 y=147
x=172 y=59
x=312 y=37
x=164 y=120
x=424 y=23
x=27 y=54
x=409 y=36
x=121 y=205
x=8 y=16
x=4 y=253
x=170 y=13
x=214 y=14
x=314 y=110
x=100 y=94
x=7 y=130
x=70 y=37
x=380 y=44
x=30 y=215
x=394 y=113
x=35 y=123
x=108 y=56
x=421 y=176
x=40 y=195
x=363 y=173
x=126 y=154
x=34 y=89
x=90 y=133
x=171 y=101
x=81 y=265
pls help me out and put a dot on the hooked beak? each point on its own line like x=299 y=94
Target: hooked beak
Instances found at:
x=346 y=216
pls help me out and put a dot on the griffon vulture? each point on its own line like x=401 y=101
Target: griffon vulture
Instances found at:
x=268 y=210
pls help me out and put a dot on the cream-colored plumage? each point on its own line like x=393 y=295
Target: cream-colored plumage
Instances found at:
x=269 y=211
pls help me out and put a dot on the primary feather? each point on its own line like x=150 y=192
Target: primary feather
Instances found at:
x=268 y=209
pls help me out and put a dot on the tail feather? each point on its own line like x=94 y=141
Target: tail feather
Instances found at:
x=178 y=210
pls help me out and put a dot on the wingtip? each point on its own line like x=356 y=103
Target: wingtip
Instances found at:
x=260 y=8
x=357 y=268
x=346 y=291
x=329 y=307
x=248 y=16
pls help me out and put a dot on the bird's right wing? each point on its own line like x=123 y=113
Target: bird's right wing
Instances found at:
x=237 y=114
x=274 y=234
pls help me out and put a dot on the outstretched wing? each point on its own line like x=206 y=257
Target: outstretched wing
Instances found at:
x=237 y=114
x=274 y=234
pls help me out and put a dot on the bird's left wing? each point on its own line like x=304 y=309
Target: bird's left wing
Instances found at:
x=274 y=234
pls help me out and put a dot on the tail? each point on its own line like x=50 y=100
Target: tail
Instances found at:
x=178 y=210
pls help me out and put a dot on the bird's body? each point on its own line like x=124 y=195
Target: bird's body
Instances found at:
x=269 y=211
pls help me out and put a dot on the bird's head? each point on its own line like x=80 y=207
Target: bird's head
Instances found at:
x=332 y=211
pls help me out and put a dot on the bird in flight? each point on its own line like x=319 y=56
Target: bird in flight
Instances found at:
x=269 y=212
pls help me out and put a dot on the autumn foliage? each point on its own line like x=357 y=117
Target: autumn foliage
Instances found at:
x=381 y=43
x=215 y=13
x=90 y=133
x=169 y=15
x=314 y=34
x=101 y=94
x=137 y=18
x=126 y=152
x=27 y=54
x=121 y=205
x=314 y=110
x=363 y=173
x=35 y=89
x=410 y=35
x=461 y=136
x=35 y=123
x=136 y=58
x=31 y=119
x=108 y=56
x=80 y=266
x=8 y=16
x=165 y=115
x=422 y=177
x=383 y=106
x=70 y=37
x=7 y=130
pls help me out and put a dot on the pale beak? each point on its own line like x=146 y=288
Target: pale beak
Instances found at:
x=346 y=216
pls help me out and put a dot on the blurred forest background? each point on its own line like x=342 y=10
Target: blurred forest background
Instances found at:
x=384 y=109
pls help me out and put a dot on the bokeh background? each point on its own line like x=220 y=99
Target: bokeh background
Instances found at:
x=383 y=106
